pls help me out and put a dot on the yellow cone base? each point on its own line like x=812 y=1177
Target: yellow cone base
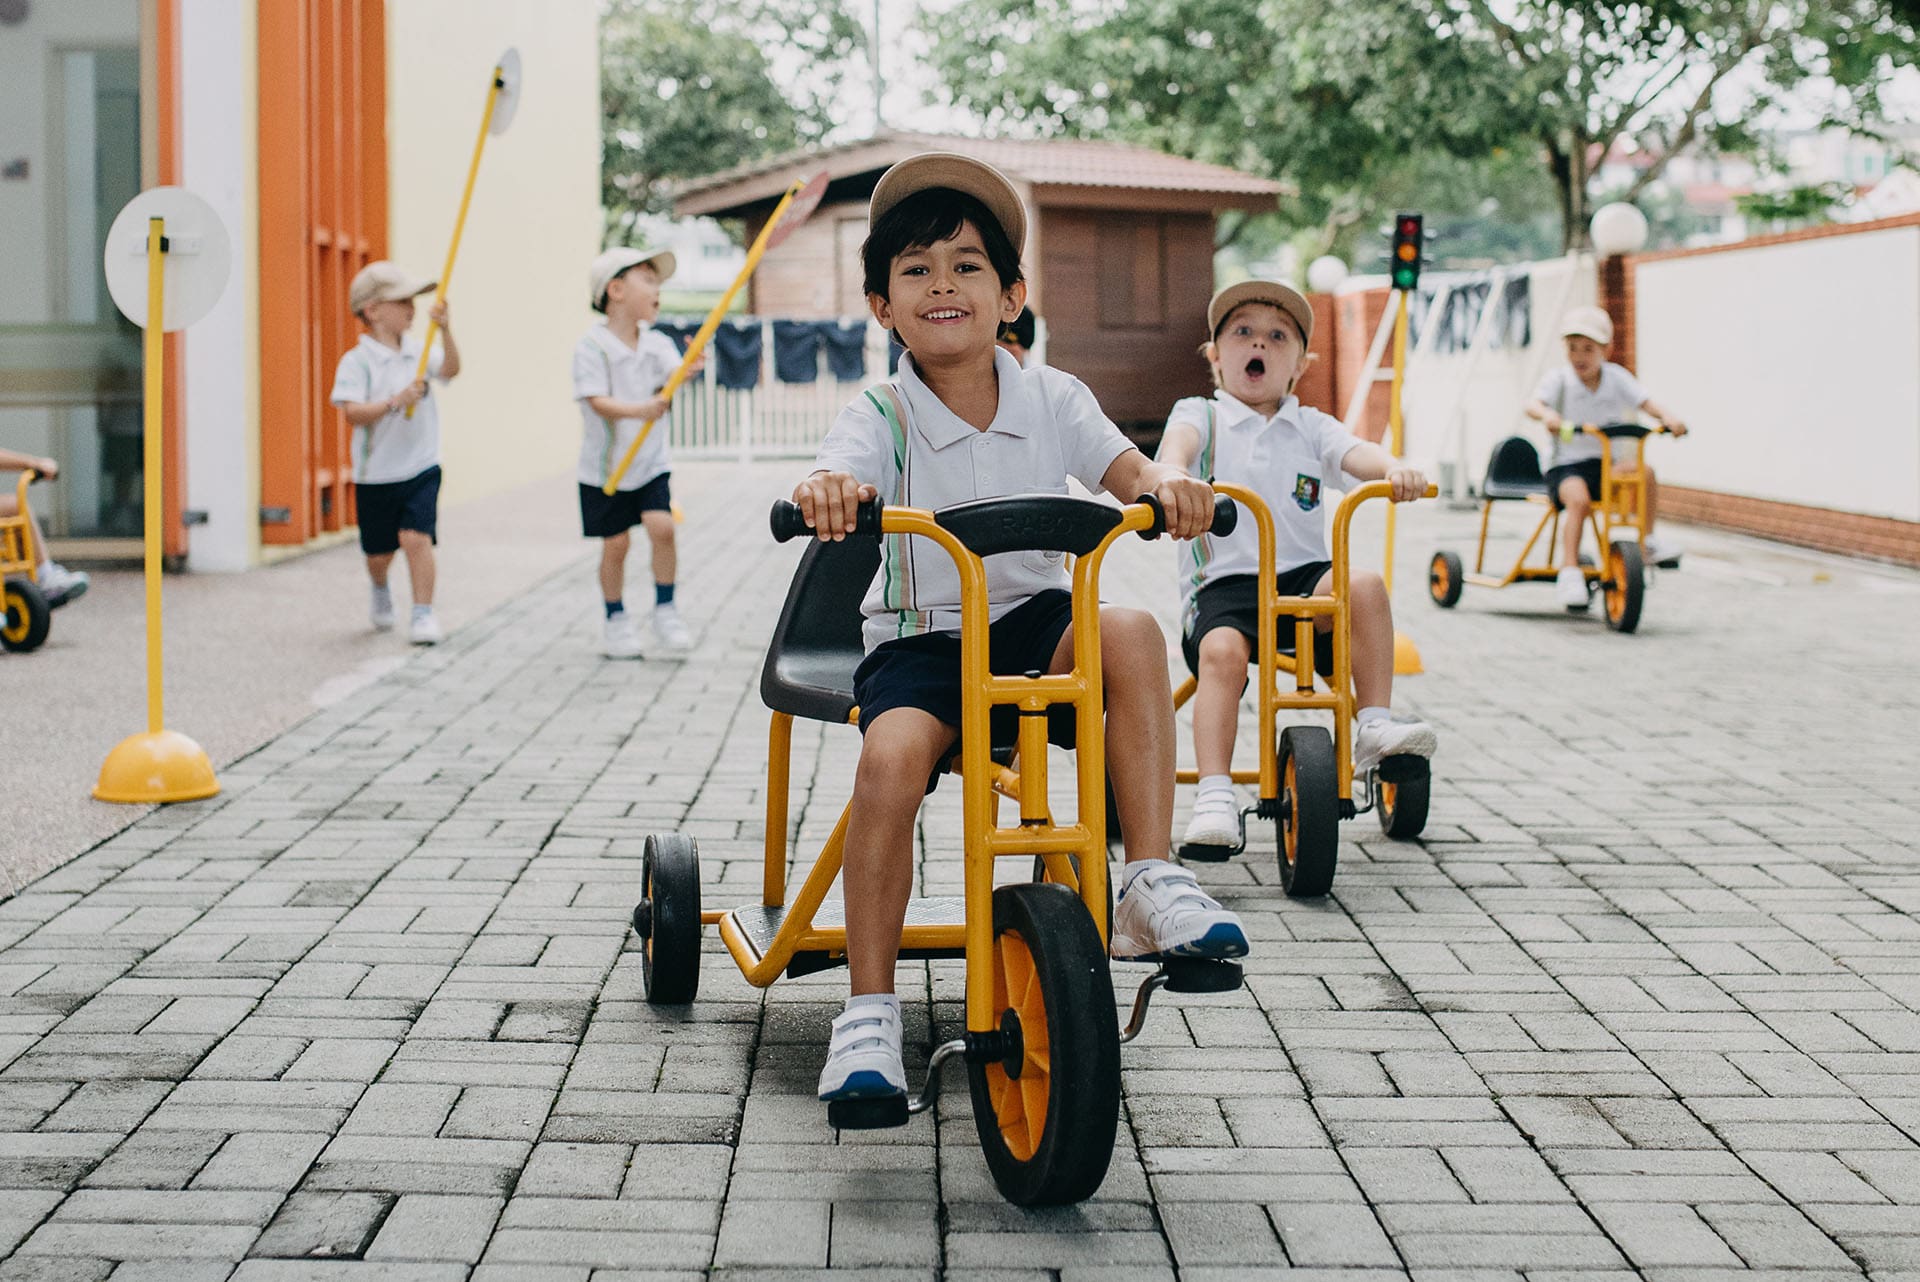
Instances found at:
x=1406 y=656
x=158 y=767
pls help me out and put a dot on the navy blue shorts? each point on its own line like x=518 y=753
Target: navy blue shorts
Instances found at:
x=604 y=515
x=385 y=510
x=1234 y=602
x=1587 y=470
x=924 y=671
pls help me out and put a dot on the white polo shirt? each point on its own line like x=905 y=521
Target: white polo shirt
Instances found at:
x=394 y=447
x=605 y=366
x=1290 y=460
x=1047 y=427
x=1616 y=400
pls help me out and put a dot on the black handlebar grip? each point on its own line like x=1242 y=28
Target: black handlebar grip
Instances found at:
x=787 y=522
x=1226 y=515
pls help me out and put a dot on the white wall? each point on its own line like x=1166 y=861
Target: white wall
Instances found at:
x=519 y=292
x=1459 y=405
x=1796 y=365
x=218 y=151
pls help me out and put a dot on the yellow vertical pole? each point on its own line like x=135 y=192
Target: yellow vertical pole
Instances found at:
x=1395 y=424
x=459 y=224
x=155 y=376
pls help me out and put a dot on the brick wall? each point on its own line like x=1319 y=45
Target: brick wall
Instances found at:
x=1881 y=538
x=1356 y=316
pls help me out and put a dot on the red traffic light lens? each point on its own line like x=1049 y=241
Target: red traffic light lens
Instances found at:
x=1409 y=226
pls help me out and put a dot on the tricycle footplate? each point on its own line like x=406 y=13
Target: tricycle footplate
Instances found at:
x=1206 y=852
x=867 y=1114
x=1201 y=975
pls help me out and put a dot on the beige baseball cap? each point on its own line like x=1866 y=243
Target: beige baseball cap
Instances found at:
x=618 y=259
x=1273 y=292
x=1588 y=322
x=383 y=282
x=976 y=178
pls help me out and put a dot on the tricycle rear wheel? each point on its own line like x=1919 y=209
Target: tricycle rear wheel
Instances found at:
x=667 y=919
x=25 y=616
x=1308 y=826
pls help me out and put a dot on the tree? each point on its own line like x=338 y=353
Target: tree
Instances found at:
x=1339 y=96
x=689 y=89
x=1667 y=75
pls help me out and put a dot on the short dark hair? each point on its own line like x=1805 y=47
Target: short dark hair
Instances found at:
x=927 y=218
x=1019 y=330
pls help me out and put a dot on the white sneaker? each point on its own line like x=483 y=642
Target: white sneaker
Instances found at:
x=1381 y=739
x=863 y=1059
x=1215 y=822
x=1570 y=586
x=1664 y=549
x=1164 y=913
x=61 y=585
x=380 y=609
x=425 y=629
x=669 y=630
x=620 y=639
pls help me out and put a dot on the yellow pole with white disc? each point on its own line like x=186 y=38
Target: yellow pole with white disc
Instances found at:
x=161 y=765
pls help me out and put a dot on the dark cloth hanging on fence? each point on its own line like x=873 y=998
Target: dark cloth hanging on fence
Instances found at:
x=796 y=351
x=736 y=353
x=846 y=348
x=681 y=334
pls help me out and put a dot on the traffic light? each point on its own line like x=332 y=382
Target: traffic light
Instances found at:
x=1405 y=264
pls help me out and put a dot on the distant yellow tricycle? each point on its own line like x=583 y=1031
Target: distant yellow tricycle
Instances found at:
x=1617 y=520
x=1042 y=1041
x=1306 y=777
x=28 y=615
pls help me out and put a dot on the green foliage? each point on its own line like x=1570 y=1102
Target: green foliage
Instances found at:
x=689 y=89
x=1348 y=99
x=1800 y=206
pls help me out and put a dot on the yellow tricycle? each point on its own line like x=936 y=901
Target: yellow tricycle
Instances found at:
x=1042 y=1041
x=28 y=616
x=1306 y=776
x=1617 y=520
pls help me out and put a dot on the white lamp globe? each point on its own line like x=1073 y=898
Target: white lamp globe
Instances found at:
x=1618 y=228
x=1325 y=273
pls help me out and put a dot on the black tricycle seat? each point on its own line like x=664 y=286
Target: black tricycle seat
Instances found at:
x=1514 y=471
x=816 y=644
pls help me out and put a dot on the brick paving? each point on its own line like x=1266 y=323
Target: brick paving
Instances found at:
x=1645 y=1001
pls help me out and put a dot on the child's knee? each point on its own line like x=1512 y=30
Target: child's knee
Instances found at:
x=1224 y=655
x=1129 y=637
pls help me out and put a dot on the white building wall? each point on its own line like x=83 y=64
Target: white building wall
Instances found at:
x=218 y=95
x=518 y=297
x=1796 y=365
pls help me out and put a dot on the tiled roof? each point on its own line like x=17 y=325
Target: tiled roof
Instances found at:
x=1061 y=162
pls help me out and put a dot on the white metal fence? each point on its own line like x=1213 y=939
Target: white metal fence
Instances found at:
x=772 y=419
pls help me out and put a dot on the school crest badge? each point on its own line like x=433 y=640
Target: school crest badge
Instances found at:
x=1306 y=491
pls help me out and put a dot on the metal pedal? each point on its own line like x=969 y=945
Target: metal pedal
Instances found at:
x=1201 y=852
x=1402 y=767
x=871 y=1114
x=1181 y=975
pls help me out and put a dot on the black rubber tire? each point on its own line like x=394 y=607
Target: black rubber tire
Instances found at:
x=1059 y=951
x=25 y=616
x=1445 y=578
x=1626 y=586
x=1040 y=875
x=1307 y=831
x=670 y=942
x=1402 y=803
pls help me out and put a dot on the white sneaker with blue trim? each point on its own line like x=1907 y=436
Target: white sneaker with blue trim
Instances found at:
x=863 y=1059
x=1164 y=913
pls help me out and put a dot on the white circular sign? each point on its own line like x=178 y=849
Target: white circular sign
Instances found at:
x=194 y=265
x=508 y=74
x=1325 y=274
x=1618 y=228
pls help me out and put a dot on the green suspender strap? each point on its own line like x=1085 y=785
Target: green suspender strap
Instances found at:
x=1202 y=547
x=896 y=558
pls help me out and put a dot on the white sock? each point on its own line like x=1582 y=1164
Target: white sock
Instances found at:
x=1215 y=786
x=1367 y=716
x=1133 y=868
x=422 y=611
x=382 y=593
x=875 y=999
